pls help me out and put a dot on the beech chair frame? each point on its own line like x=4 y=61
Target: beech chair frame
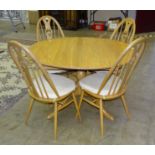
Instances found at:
x=120 y=74
x=48 y=28
x=125 y=31
x=32 y=70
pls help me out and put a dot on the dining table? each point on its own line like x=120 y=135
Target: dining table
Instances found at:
x=80 y=54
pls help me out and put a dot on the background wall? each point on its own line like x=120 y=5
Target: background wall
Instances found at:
x=103 y=15
x=100 y=15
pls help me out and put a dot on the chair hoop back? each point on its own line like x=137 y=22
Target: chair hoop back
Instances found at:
x=48 y=28
x=35 y=76
x=125 y=31
x=121 y=72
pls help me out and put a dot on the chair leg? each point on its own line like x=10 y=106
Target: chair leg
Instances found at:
x=81 y=98
x=76 y=106
x=106 y=114
x=80 y=102
x=125 y=106
x=29 y=110
x=55 y=120
x=101 y=117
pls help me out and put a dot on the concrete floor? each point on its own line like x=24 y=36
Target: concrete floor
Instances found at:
x=139 y=130
x=28 y=34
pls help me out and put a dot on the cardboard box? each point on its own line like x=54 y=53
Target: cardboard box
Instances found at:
x=113 y=23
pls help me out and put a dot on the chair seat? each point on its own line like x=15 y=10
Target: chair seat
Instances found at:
x=93 y=82
x=55 y=71
x=63 y=85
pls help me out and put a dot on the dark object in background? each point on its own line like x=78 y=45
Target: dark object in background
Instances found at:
x=145 y=21
x=68 y=19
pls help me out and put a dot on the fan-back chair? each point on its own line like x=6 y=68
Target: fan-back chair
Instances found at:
x=48 y=28
x=112 y=84
x=42 y=86
x=125 y=31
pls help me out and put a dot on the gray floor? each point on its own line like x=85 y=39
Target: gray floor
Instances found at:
x=139 y=130
x=28 y=35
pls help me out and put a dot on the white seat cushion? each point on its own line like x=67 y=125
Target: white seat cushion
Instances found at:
x=55 y=71
x=93 y=82
x=63 y=85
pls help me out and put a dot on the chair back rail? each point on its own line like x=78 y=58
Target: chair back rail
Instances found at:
x=125 y=31
x=48 y=28
x=121 y=72
x=33 y=73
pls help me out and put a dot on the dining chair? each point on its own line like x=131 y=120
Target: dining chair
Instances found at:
x=48 y=28
x=125 y=30
x=42 y=86
x=112 y=84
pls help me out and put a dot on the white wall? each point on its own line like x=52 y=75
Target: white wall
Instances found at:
x=103 y=15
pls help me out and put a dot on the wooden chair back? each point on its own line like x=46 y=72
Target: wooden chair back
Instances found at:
x=125 y=31
x=48 y=28
x=121 y=72
x=35 y=76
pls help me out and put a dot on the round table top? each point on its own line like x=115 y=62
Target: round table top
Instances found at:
x=79 y=53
